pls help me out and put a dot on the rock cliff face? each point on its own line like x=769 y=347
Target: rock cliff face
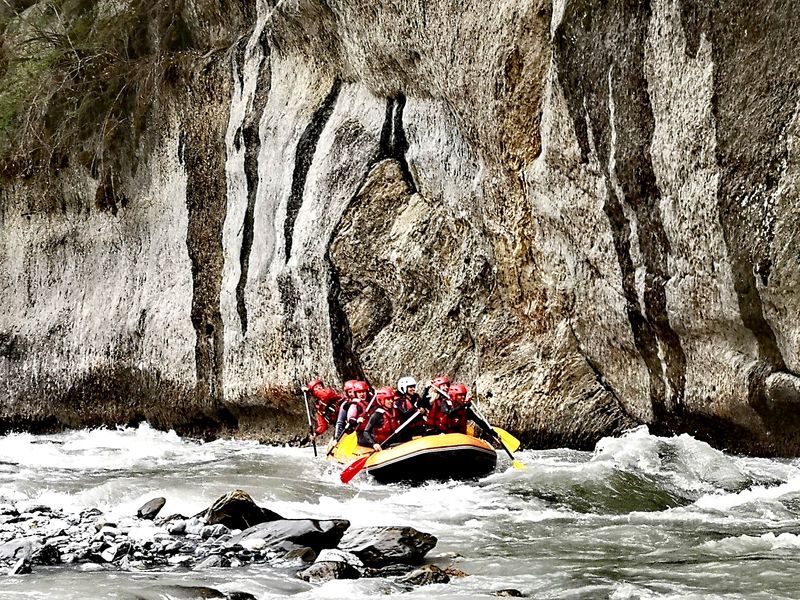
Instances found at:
x=586 y=209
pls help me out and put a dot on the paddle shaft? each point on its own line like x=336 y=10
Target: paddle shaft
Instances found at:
x=483 y=423
x=355 y=467
x=310 y=425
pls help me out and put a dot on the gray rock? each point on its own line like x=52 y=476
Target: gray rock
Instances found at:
x=425 y=575
x=214 y=531
x=508 y=593
x=17 y=548
x=181 y=560
x=48 y=554
x=151 y=508
x=115 y=551
x=287 y=534
x=177 y=527
x=327 y=570
x=21 y=567
x=380 y=546
x=210 y=562
x=238 y=510
x=305 y=554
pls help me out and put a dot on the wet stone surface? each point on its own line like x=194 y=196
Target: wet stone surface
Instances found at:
x=89 y=540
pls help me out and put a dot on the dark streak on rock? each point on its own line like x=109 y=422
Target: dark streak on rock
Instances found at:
x=302 y=161
x=599 y=53
x=346 y=360
x=252 y=146
x=756 y=78
x=206 y=203
x=393 y=142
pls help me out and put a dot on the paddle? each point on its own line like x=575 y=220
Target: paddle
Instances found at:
x=310 y=425
x=509 y=440
x=355 y=467
x=485 y=425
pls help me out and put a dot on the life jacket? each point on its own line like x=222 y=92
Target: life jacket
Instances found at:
x=327 y=403
x=387 y=427
x=444 y=419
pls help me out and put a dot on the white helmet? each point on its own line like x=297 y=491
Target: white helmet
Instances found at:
x=404 y=383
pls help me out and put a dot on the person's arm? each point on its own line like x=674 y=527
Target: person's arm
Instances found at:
x=375 y=421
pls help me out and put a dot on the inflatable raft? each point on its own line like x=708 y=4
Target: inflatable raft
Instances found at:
x=445 y=456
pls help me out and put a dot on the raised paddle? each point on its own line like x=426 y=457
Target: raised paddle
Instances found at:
x=310 y=426
x=355 y=467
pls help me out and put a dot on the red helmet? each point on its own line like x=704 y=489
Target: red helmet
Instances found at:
x=313 y=383
x=442 y=382
x=384 y=393
x=360 y=386
x=348 y=387
x=457 y=389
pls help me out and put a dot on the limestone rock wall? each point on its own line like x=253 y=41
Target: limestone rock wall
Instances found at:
x=586 y=210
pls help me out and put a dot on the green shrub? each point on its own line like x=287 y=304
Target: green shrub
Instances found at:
x=80 y=78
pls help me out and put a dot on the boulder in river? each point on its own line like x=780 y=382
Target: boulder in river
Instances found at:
x=151 y=508
x=380 y=546
x=237 y=510
x=288 y=534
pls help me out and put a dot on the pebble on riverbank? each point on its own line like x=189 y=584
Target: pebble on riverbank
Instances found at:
x=233 y=531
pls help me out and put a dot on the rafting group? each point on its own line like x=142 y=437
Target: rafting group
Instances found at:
x=397 y=434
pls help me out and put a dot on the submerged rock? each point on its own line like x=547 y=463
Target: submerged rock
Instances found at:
x=326 y=570
x=425 y=575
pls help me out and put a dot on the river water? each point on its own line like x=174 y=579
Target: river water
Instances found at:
x=640 y=517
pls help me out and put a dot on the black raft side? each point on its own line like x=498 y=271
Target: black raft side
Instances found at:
x=454 y=462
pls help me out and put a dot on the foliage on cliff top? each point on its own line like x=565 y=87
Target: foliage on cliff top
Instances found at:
x=80 y=78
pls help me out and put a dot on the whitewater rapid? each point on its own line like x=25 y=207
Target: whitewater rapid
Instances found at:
x=640 y=517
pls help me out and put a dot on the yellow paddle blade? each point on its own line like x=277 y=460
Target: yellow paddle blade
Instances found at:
x=517 y=464
x=509 y=440
x=348 y=444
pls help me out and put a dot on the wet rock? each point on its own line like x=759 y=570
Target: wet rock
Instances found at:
x=326 y=570
x=287 y=534
x=14 y=549
x=339 y=555
x=21 y=567
x=305 y=554
x=151 y=508
x=180 y=592
x=181 y=560
x=214 y=531
x=47 y=555
x=380 y=546
x=210 y=562
x=115 y=552
x=397 y=570
x=177 y=527
x=425 y=575
x=237 y=510
x=508 y=593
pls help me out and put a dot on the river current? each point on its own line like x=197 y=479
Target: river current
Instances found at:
x=640 y=517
